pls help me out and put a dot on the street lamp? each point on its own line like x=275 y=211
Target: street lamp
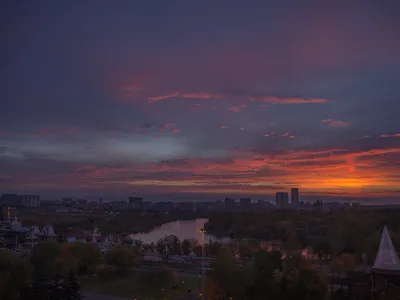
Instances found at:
x=202 y=231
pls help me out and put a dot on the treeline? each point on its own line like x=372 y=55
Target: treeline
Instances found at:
x=127 y=222
x=335 y=232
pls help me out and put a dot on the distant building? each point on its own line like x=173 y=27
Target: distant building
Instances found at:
x=9 y=199
x=117 y=205
x=3 y=213
x=229 y=203
x=163 y=206
x=147 y=205
x=282 y=200
x=294 y=196
x=135 y=203
x=186 y=206
x=67 y=201
x=245 y=204
x=81 y=202
x=29 y=200
x=318 y=205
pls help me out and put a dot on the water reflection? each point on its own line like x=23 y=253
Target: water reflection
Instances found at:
x=183 y=229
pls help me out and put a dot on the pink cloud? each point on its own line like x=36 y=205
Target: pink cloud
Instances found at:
x=237 y=108
x=202 y=96
x=164 y=97
x=175 y=130
x=335 y=123
x=178 y=94
x=287 y=100
x=291 y=137
x=390 y=135
x=364 y=137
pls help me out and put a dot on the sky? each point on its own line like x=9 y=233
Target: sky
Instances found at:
x=200 y=100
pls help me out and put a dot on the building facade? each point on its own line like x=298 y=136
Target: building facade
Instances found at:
x=294 y=196
x=135 y=203
x=282 y=200
x=29 y=200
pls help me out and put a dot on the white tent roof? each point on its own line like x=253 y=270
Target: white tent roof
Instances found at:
x=48 y=230
x=386 y=259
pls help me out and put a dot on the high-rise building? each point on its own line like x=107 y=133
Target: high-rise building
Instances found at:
x=245 y=204
x=9 y=199
x=294 y=195
x=29 y=200
x=230 y=203
x=282 y=200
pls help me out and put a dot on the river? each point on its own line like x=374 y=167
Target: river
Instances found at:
x=183 y=229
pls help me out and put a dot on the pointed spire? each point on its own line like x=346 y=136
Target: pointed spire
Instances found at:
x=386 y=259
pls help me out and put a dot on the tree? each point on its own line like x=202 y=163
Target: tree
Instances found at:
x=73 y=287
x=299 y=280
x=89 y=257
x=187 y=246
x=15 y=274
x=121 y=257
x=245 y=250
x=349 y=261
x=228 y=276
x=44 y=259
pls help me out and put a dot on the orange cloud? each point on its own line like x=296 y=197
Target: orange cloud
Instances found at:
x=287 y=100
x=175 y=130
x=390 y=135
x=237 y=108
x=338 y=124
x=223 y=126
x=346 y=172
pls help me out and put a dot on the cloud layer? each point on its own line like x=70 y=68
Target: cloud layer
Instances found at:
x=248 y=101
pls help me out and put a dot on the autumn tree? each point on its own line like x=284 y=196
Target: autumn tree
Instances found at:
x=121 y=257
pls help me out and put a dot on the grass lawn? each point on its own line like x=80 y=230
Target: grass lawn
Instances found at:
x=133 y=285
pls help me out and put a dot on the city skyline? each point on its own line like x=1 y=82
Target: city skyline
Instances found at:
x=201 y=100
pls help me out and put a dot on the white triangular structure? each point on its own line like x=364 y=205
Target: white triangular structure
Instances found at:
x=386 y=259
x=48 y=230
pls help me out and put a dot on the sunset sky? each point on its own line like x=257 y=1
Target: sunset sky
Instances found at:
x=200 y=99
